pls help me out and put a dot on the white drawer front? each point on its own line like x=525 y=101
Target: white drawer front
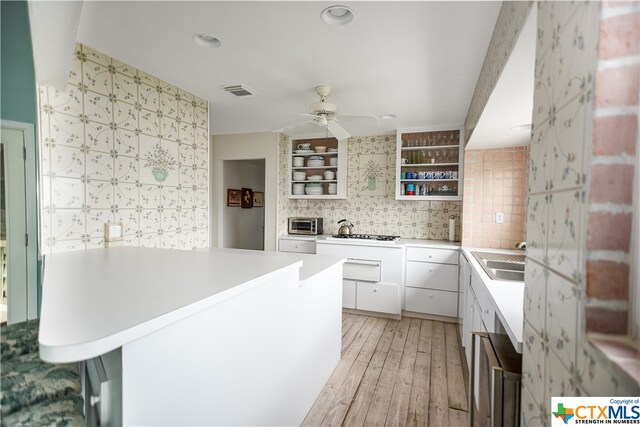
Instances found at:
x=299 y=246
x=432 y=276
x=362 y=270
x=428 y=301
x=348 y=294
x=383 y=298
x=445 y=256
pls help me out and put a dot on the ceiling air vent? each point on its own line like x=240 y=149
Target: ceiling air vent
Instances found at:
x=239 y=91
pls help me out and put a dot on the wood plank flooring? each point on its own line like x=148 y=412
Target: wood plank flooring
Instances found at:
x=407 y=372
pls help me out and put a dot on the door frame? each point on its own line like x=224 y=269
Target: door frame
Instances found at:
x=31 y=191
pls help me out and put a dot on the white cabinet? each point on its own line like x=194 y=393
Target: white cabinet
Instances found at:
x=429 y=163
x=431 y=281
x=348 y=294
x=430 y=301
x=380 y=297
x=464 y=282
x=303 y=245
x=372 y=276
x=307 y=167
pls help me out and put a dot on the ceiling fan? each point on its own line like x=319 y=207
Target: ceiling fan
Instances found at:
x=323 y=114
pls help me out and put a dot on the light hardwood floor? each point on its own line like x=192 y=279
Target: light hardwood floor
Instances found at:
x=398 y=373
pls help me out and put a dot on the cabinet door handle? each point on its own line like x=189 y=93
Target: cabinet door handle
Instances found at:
x=93 y=400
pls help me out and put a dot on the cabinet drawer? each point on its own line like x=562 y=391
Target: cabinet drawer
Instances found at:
x=383 y=298
x=428 y=301
x=432 y=276
x=300 y=246
x=485 y=305
x=444 y=256
x=348 y=294
x=362 y=270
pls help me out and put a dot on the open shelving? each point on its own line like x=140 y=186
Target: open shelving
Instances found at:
x=429 y=161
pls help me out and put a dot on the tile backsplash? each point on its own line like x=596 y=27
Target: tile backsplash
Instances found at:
x=371 y=211
x=495 y=180
x=119 y=145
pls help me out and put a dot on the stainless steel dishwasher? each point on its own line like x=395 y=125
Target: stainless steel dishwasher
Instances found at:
x=496 y=368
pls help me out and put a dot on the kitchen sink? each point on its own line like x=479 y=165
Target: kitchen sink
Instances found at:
x=501 y=266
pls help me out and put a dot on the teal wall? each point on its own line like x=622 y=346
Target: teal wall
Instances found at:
x=18 y=86
x=18 y=100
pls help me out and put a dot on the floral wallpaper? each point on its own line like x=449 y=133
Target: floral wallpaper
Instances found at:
x=511 y=19
x=370 y=204
x=119 y=145
x=558 y=359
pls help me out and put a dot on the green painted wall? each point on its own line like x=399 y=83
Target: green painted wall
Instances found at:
x=18 y=86
x=18 y=100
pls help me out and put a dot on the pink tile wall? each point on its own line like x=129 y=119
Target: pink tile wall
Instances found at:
x=613 y=171
x=495 y=181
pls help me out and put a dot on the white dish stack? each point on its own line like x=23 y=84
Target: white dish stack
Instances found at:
x=333 y=161
x=299 y=175
x=313 y=189
x=333 y=188
x=298 y=189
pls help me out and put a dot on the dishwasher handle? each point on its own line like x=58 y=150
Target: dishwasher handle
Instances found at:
x=362 y=270
x=363 y=262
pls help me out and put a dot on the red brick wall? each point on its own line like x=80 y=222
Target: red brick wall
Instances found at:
x=613 y=169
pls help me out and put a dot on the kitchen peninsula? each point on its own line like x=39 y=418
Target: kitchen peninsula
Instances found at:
x=202 y=337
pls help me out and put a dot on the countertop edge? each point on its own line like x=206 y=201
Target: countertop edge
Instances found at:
x=490 y=285
x=68 y=353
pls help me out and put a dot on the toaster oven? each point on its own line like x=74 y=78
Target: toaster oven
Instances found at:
x=305 y=226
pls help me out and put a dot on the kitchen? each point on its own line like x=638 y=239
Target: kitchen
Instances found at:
x=568 y=188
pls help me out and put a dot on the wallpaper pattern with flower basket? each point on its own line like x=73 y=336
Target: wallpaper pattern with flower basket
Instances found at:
x=120 y=145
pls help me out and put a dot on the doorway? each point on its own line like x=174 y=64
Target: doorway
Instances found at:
x=243 y=228
x=18 y=256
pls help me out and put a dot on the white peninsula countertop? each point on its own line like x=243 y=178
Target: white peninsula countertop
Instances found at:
x=97 y=300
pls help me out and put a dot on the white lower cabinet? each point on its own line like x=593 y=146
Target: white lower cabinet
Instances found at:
x=440 y=303
x=348 y=294
x=297 y=245
x=431 y=281
x=381 y=297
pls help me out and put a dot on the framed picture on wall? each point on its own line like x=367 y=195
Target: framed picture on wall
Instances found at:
x=247 y=198
x=234 y=197
x=258 y=199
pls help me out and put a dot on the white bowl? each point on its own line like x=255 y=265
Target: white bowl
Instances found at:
x=299 y=176
x=314 y=178
x=315 y=163
x=333 y=161
x=298 y=161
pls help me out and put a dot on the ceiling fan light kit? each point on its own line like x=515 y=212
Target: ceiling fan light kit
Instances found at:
x=337 y=15
x=323 y=114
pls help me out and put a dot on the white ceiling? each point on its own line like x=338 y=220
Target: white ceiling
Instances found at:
x=418 y=60
x=511 y=102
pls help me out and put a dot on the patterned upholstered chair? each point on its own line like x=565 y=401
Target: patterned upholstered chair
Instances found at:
x=33 y=392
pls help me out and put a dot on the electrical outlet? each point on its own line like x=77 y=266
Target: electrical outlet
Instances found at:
x=499 y=217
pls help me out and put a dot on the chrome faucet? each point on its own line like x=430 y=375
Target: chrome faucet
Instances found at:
x=521 y=245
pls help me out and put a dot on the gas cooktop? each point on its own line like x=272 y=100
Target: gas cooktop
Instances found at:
x=378 y=237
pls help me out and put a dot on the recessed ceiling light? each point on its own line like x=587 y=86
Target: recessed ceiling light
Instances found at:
x=388 y=116
x=337 y=15
x=521 y=127
x=205 y=40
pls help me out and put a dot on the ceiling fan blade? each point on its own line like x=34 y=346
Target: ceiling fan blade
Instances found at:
x=303 y=114
x=374 y=118
x=284 y=129
x=337 y=130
